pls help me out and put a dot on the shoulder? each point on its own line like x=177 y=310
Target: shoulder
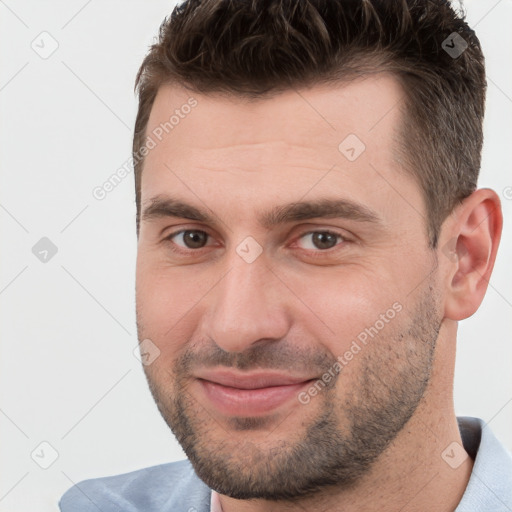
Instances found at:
x=166 y=487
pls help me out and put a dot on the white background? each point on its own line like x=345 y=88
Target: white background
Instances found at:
x=68 y=374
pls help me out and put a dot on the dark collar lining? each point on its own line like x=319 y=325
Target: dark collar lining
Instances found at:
x=471 y=435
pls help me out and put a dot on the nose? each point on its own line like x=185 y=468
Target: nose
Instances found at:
x=246 y=307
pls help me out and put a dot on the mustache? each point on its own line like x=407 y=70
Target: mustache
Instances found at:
x=274 y=355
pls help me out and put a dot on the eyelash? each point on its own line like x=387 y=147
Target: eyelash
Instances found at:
x=314 y=253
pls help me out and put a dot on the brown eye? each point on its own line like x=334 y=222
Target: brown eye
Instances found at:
x=191 y=238
x=322 y=240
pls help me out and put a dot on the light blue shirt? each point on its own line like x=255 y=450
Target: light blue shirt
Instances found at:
x=175 y=487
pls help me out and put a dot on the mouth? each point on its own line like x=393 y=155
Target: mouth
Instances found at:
x=249 y=394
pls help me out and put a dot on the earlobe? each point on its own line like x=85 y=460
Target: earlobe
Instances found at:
x=470 y=252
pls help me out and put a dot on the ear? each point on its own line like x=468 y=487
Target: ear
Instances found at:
x=469 y=245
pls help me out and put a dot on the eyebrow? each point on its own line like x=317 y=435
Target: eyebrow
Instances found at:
x=164 y=206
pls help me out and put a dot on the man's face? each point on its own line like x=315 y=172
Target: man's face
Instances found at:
x=294 y=346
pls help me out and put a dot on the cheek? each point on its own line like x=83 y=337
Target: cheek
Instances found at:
x=168 y=301
x=343 y=306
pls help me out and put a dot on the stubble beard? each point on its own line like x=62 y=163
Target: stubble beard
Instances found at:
x=338 y=446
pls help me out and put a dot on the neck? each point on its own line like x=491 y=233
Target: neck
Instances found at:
x=415 y=474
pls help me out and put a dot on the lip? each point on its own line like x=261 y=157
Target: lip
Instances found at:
x=249 y=380
x=249 y=394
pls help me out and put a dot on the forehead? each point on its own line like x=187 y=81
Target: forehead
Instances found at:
x=364 y=106
x=307 y=141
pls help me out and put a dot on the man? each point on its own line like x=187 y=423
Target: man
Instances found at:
x=309 y=234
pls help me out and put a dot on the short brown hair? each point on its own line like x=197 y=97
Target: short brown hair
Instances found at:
x=257 y=48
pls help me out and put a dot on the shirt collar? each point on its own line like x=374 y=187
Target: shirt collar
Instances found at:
x=215 y=505
x=490 y=483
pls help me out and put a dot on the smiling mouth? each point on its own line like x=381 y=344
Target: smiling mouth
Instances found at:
x=256 y=394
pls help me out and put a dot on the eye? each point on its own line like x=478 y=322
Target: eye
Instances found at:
x=190 y=238
x=322 y=240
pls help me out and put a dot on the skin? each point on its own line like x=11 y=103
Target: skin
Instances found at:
x=237 y=158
